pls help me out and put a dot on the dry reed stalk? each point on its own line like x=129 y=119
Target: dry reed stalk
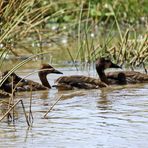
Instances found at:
x=13 y=118
x=19 y=65
x=11 y=101
x=12 y=107
x=30 y=116
x=53 y=106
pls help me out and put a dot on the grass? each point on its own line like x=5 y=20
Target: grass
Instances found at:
x=26 y=19
x=124 y=47
x=11 y=117
x=94 y=29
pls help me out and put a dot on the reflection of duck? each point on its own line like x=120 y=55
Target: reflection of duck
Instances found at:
x=128 y=77
x=27 y=85
x=75 y=81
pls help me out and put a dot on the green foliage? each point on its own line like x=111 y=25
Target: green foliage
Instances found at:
x=27 y=22
x=128 y=11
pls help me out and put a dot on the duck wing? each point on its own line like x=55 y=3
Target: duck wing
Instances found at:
x=4 y=94
x=29 y=85
x=130 y=76
x=80 y=82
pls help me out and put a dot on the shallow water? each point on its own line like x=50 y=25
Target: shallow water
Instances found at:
x=106 y=118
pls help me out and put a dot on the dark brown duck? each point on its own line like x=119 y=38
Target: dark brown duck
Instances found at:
x=83 y=82
x=4 y=95
x=128 y=77
x=119 y=77
x=26 y=85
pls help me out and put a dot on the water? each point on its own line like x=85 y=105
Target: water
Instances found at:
x=113 y=117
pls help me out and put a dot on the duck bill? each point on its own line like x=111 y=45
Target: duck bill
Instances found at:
x=115 y=66
x=57 y=72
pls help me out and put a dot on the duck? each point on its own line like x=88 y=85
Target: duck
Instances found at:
x=84 y=82
x=4 y=95
x=21 y=84
x=128 y=77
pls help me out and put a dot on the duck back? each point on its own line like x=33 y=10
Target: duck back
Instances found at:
x=130 y=76
x=78 y=81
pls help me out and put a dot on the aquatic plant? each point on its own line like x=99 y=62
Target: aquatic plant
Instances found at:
x=26 y=26
x=125 y=46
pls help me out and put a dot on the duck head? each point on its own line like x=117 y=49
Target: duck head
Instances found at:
x=102 y=64
x=11 y=76
x=47 y=69
x=10 y=81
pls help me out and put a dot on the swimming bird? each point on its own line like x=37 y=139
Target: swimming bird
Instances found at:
x=83 y=82
x=21 y=84
x=4 y=94
x=128 y=77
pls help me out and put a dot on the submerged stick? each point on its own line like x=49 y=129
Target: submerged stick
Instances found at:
x=30 y=116
x=11 y=108
x=25 y=112
x=12 y=99
x=53 y=106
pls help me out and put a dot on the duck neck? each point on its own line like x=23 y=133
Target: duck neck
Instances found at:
x=43 y=78
x=102 y=75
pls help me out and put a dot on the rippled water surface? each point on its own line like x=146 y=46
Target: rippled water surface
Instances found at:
x=115 y=117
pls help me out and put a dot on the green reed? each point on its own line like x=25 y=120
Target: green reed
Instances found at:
x=27 y=19
x=123 y=47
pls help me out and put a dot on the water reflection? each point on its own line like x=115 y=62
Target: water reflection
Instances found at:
x=107 y=117
x=103 y=102
x=44 y=95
